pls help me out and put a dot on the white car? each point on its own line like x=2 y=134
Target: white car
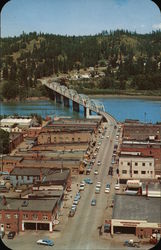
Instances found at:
x=117 y=186
x=99 y=163
x=107 y=136
x=96 y=172
x=97 y=190
x=82 y=186
x=107 y=190
x=98 y=184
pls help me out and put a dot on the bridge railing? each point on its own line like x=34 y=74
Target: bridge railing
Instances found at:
x=74 y=96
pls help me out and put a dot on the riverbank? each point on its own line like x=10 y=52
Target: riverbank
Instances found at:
x=126 y=96
x=45 y=98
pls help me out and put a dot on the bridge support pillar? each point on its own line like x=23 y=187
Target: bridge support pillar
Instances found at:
x=58 y=98
x=66 y=101
x=75 y=106
x=87 y=112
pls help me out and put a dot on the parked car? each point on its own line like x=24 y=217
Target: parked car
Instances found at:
x=78 y=195
x=98 y=184
x=71 y=213
x=97 y=190
x=11 y=234
x=93 y=202
x=82 y=186
x=45 y=242
x=98 y=163
x=96 y=172
x=107 y=189
x=74 y=207
x=88 y=181
x=2 y=233
x=117 y=186
x=76 y=201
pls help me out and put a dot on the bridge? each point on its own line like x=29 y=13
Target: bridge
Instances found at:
x=63 y=94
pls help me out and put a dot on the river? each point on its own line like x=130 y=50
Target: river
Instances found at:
x=145 y=110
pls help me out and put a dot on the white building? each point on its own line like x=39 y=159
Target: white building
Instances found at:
x=136 y=167
x=23 y=122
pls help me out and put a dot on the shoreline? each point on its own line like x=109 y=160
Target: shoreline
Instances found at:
x=126 y=96
x=43 y=98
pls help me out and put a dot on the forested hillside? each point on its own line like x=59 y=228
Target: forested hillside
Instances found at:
x=129 y=61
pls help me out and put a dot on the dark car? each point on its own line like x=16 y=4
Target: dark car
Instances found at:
x=71 y=213
x=11 y=235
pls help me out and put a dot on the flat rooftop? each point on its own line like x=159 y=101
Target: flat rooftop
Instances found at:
x=33 y=205
x=127 y=207
x=56 y=176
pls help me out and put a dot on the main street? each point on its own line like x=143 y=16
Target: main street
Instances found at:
x=81 y=231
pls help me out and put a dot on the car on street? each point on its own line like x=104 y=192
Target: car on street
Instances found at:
x=93 y=202
x=98 y=184
x=76 y=201
x=107 y=189
x=82 y=186
x=99 y=163
x=78 y=195
x=88 y=181
x=11 y=234
x=45 y=242
x=71 y=213
x=107 y=136
x=97 y=190
x=96 y=172
x=74 y=207
x=117 y=186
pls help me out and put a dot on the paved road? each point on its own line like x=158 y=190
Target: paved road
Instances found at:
x=81 y=231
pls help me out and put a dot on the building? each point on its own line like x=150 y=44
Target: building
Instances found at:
x=137 y=215
x=26 y=214
x=144 y=148
x=135 y=167
x=15 y=140
x=151 y=189
x=23 y=122
x=9 y=162
x=33 y=132
x=141 y=131
x=20 y=176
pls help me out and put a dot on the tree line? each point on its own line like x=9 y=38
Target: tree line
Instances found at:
x=130 y=60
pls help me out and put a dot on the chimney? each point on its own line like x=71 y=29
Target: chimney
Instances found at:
x=4 y=201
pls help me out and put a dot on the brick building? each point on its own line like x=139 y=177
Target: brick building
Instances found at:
x=26 y=214
x=141 y=131
x=66 y=136
x=15 y=140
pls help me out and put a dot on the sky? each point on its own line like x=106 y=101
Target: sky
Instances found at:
x=79 y=17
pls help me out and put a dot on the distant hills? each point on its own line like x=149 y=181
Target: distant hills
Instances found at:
x=116 y=62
